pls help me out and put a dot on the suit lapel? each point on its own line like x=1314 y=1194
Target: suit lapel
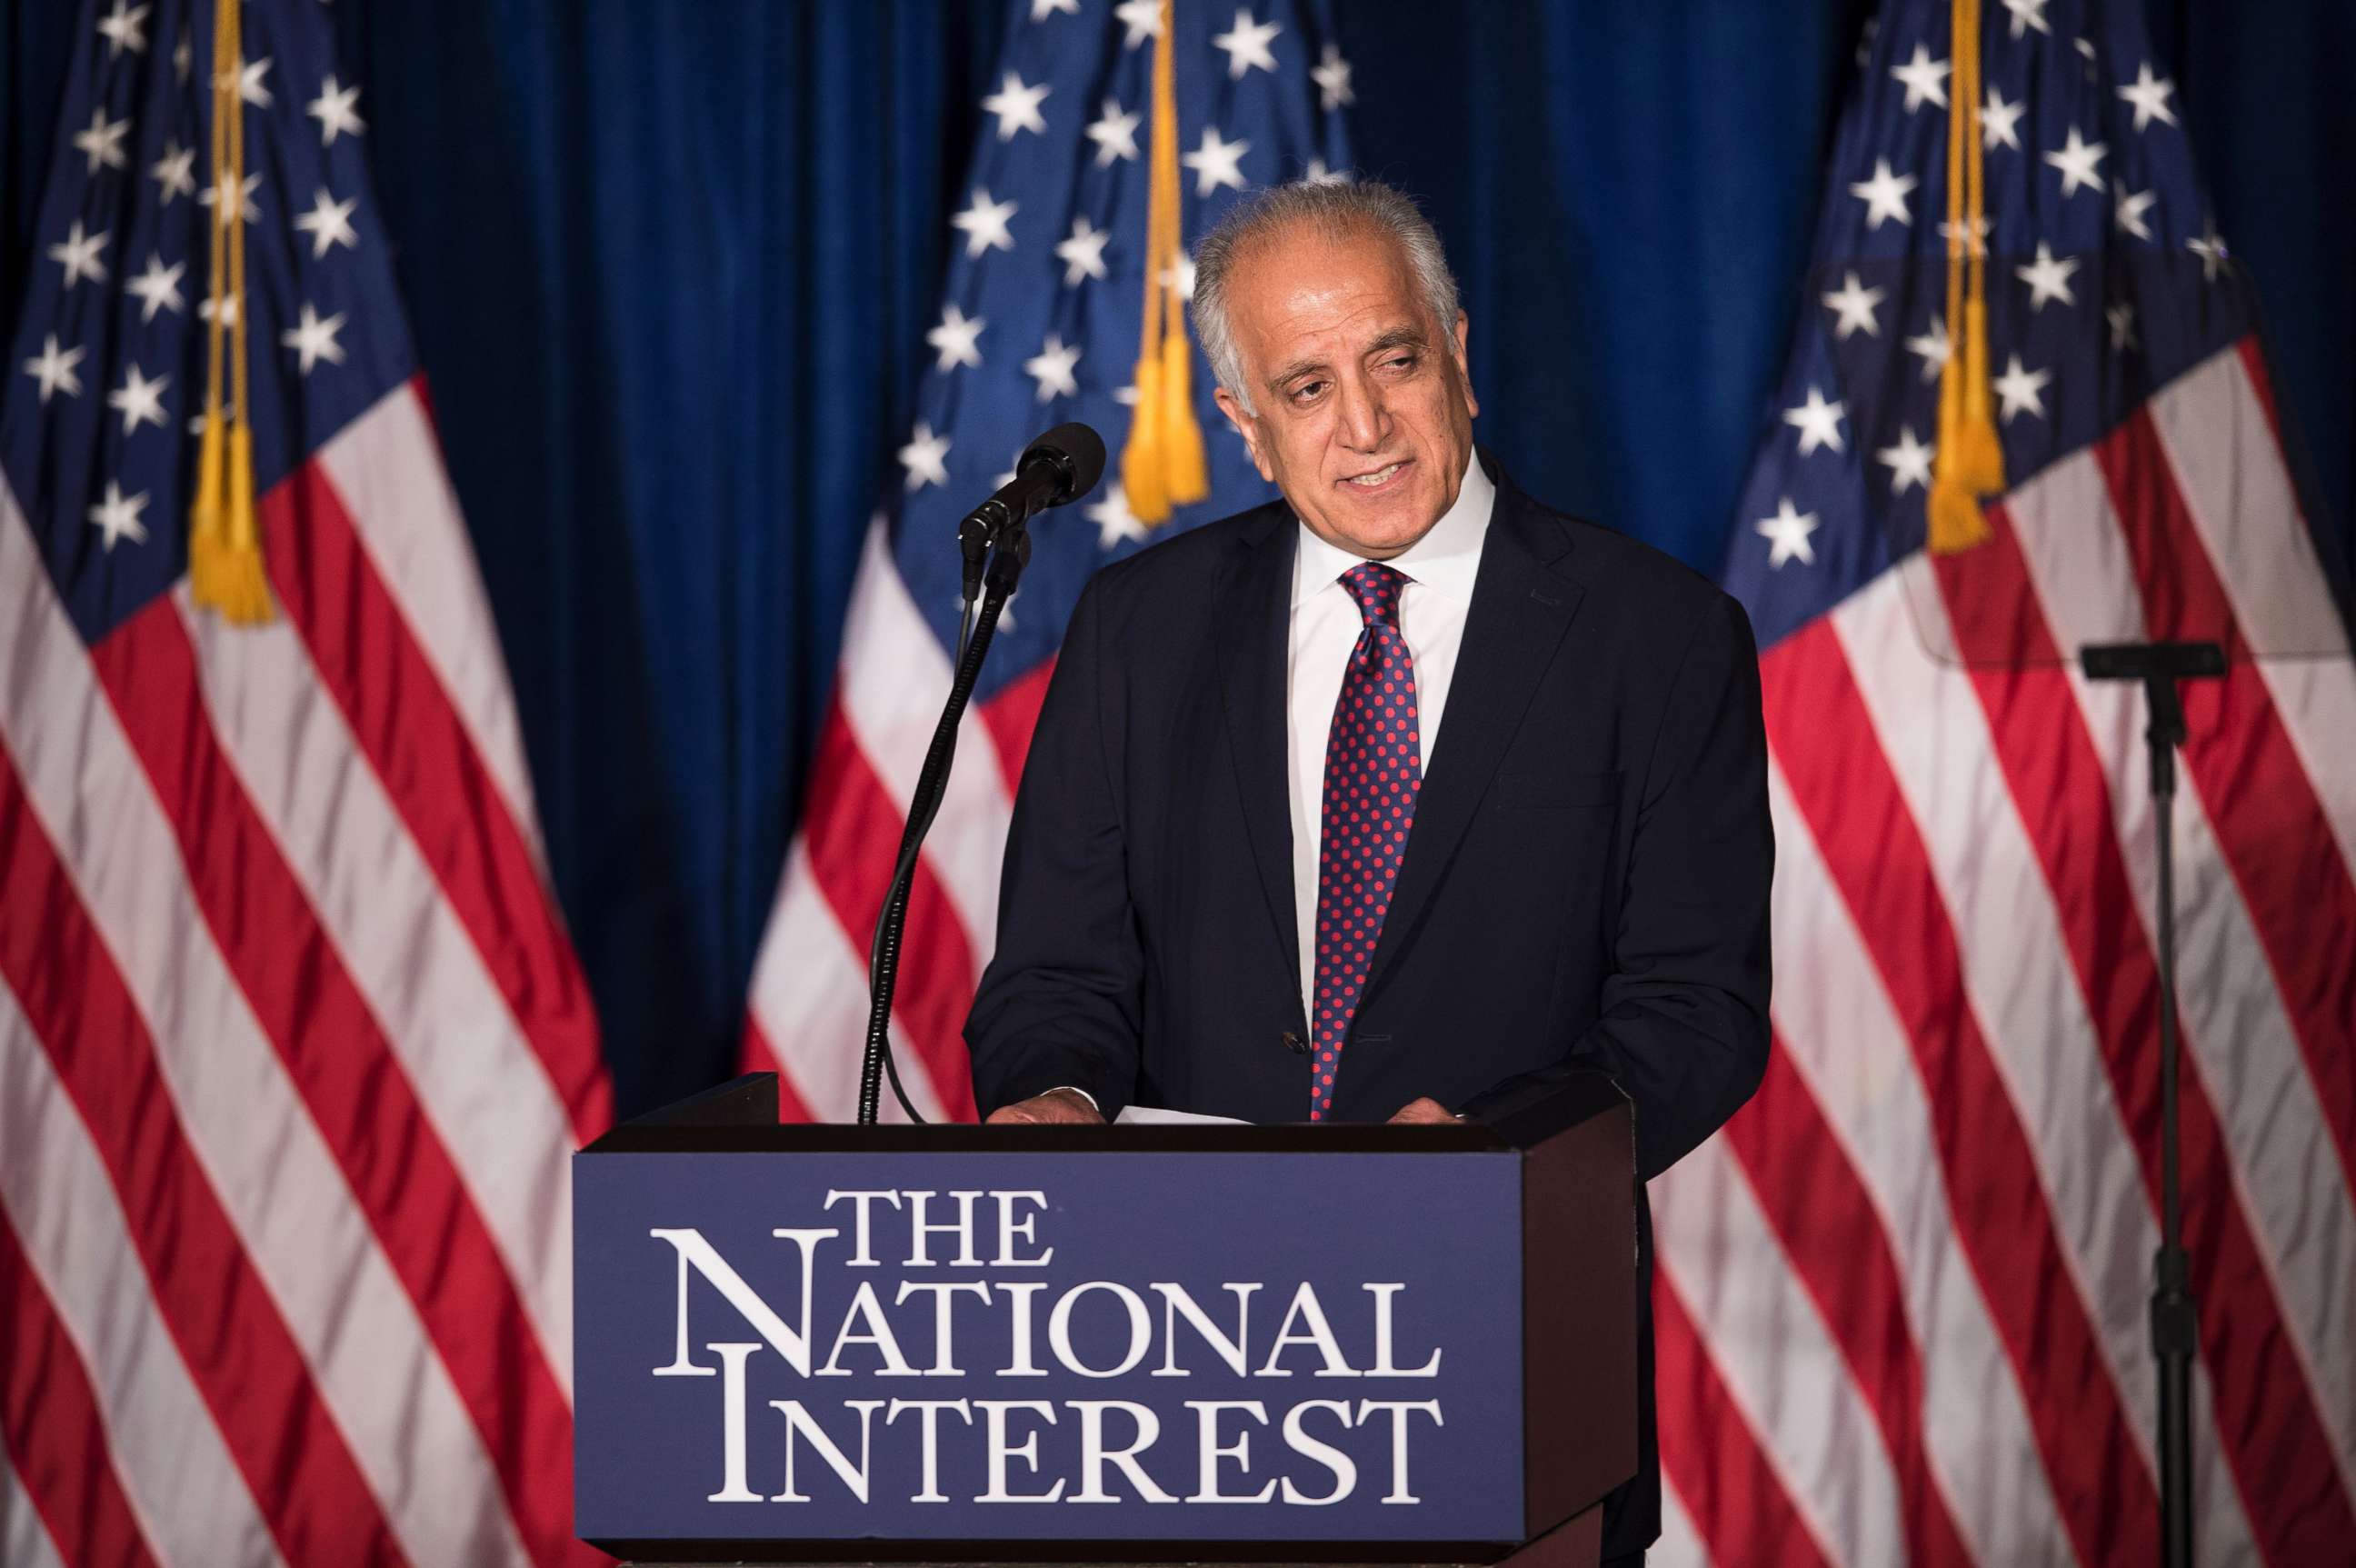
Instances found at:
x=1252 y=618
x=1522 y=605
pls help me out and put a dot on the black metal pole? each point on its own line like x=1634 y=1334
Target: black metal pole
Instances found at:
x=1004 y=572
x=2175 y=1316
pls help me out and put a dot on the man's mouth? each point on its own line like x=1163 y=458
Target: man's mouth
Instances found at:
x=1377 y=479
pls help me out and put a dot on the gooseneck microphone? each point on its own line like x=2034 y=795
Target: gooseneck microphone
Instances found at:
x=1058 y=468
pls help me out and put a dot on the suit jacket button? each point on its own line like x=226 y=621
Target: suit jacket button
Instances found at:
x=1294 y=1043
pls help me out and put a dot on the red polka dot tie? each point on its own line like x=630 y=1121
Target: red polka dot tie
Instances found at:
x=1373 y=767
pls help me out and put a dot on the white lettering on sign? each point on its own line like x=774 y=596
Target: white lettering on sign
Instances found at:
x=1313 y=1452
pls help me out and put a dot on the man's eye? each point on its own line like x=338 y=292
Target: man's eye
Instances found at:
x=1399 y=362
x=1307 y=391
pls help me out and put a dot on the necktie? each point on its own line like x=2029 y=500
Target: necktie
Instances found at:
x=1373 y=767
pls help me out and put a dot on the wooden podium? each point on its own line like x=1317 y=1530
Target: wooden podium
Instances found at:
x=1101 y=1344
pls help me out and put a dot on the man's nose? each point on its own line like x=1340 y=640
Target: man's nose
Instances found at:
x=1364 y=422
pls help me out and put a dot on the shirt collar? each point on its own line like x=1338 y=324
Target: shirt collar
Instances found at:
x=1448 y=557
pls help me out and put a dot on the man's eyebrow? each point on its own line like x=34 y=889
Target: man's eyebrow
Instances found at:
x=1397 y=337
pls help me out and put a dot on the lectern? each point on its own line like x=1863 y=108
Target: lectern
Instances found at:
x=1103 y=1344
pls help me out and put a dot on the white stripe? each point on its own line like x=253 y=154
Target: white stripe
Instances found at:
x=2229 y=469
x=1842 y=1037
x=2239 y=1041
x=895 y=679
x=810 y=993
x=387 y=469
x=1680 y=1545
x=1779 y=1362
x=308 y=1238
x=484 y=1089
x=2022 y=988
x=24 y=1540
x=185 y=1491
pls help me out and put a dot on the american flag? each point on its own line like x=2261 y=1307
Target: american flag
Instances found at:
x=1901 y=1298
x=1040 y=323
x=293 y=1043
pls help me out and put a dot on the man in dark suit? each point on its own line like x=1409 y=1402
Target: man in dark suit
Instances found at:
x=1395 y=799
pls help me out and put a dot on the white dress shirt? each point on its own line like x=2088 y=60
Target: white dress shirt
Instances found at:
x=1439 y=568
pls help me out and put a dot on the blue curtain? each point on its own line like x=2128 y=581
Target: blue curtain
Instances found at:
x=670 y=266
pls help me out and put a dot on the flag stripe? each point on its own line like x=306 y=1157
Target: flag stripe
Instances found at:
x=177 y=1475
x=892 y=683
x=853 y=838
x=1842 y=1038
x=24 y=1540
x=2237 y=1036
x=50 y=1430
x=417 y=743
x=1835 y=1243
x=1012 y=718
x=236 y=1108
x=1775 y=1355
x=811 y=978
x=2268 y=1419
x=253 y=1378
x=386 y=466
x=2260 y=802
x=1679 y=1545
x=2020 y=986
x=419 y=974
x=1842 y=785
x=1711 y=1456
x=354 y=1087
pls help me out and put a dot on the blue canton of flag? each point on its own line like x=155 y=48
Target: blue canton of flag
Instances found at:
x=98 y=427
x=1041 y=322
x=1042 y=312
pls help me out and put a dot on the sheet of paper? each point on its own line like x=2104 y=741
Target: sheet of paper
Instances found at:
x=1154 y=1116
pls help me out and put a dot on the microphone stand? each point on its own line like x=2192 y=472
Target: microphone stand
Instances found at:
x=2175 y=1317
x=1006 y=531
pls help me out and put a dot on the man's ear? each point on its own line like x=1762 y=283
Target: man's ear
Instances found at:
x=1464 y=364
x=1246 y=426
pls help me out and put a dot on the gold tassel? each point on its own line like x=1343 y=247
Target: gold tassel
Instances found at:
x=1970 y=463
x=1162 y=466
x=225 y=567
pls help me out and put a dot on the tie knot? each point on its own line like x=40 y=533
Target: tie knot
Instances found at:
x=1375 y=587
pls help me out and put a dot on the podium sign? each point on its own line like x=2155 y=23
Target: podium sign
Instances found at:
x=983 y=1336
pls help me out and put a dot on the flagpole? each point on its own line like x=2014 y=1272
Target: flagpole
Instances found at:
x=2175 y=1315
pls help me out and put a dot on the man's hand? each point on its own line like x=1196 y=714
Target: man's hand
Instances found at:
x=1423 y=1110
x=1056 y=1106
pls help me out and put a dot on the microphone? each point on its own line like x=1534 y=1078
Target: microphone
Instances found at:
x=1058 y=469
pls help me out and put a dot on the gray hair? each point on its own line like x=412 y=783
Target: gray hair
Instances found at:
x=1335 y=208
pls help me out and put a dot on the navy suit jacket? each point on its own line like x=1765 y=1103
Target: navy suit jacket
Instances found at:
x=1585 y=885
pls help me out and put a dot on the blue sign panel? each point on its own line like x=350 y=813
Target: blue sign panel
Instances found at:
x=1166 y=1347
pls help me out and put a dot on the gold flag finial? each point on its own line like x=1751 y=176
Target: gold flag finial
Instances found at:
x=1162 y=468
x=225 y=570
x=1970 y=463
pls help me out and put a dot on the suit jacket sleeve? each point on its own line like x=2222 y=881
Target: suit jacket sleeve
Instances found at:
x=1683 y=1025
x=1059 y=1004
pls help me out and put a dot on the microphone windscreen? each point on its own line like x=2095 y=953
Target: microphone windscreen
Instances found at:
x=1080 y=447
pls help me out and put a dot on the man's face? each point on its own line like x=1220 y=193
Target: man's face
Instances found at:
x=1366 y=407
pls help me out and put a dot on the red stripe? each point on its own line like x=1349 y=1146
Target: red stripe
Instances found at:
x=2265 y=1413
x=415 y=740
x=1842 y=784
x=358 y=1093
x=1013 y=717
x=2269 y=824
x=1730 y=1491
x=1842 y=1253
x=51 y=1424
x=852 y=828
x=238 y=1349
x=756 y=1055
